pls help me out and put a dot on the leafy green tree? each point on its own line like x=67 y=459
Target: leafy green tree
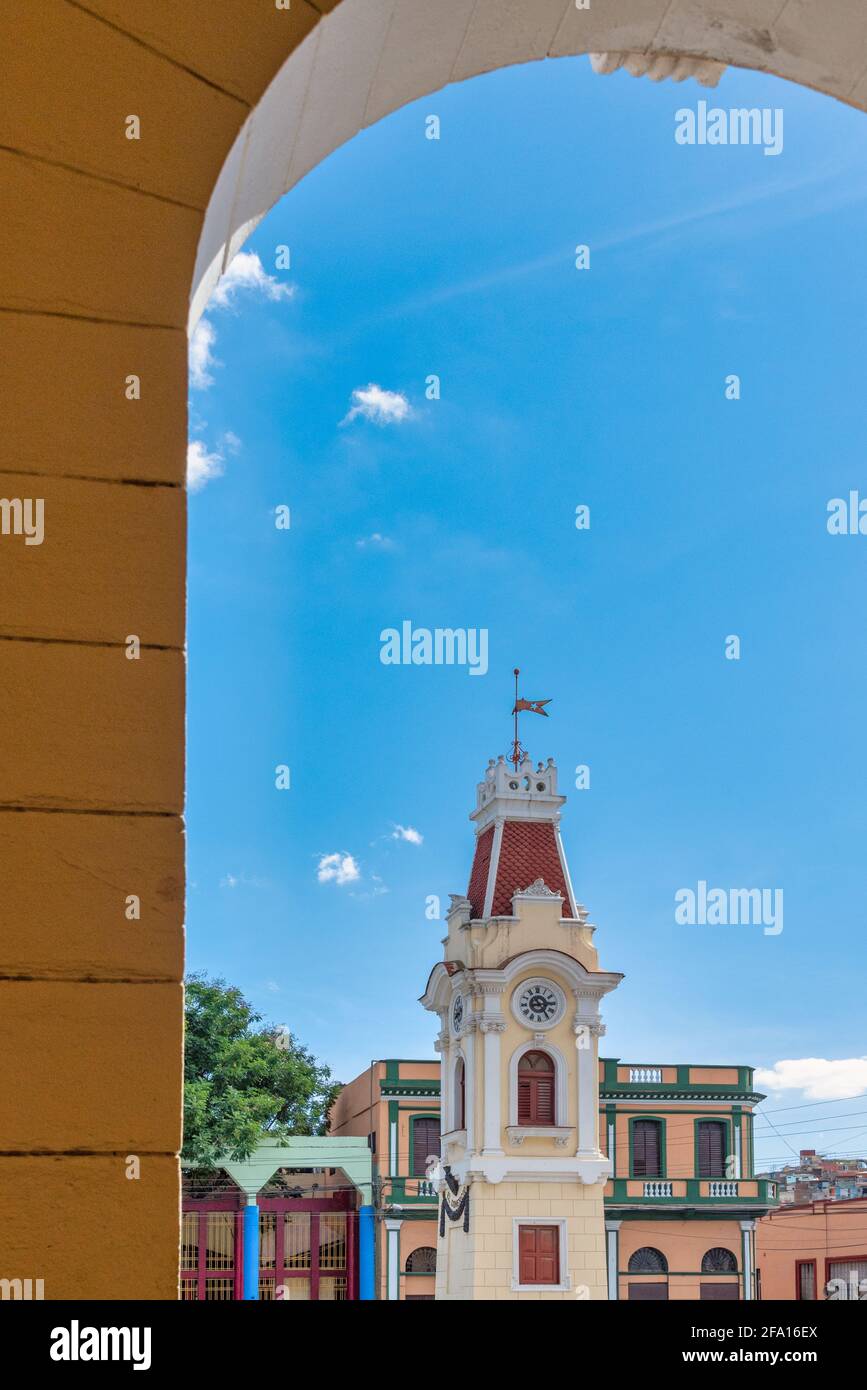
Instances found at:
x=242 y=1080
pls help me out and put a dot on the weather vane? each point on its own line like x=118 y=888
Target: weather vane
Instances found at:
x=535 y=707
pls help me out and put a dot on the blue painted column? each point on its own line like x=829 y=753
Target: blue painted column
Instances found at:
x=366 y=1257
x=251 y=1249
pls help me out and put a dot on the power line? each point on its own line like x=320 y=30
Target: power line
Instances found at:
x=811 y=1104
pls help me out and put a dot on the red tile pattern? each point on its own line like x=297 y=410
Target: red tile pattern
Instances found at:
x=479 y=874
x=528 y=852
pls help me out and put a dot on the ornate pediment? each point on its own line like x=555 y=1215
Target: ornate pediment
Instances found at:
x=538 y=889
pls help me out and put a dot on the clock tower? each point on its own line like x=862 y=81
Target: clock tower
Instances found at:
x=517 y=995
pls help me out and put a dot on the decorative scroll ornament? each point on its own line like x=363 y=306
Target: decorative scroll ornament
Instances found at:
x=537 y=889
x=454 y=1211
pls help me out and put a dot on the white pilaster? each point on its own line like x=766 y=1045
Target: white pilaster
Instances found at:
x=469 y=1048
x=443 y=1047
x=747 y=1228
x=392 y=1226
x=612 y=1237
x=587 y=1030
x=492 y=1127
x=493 y=867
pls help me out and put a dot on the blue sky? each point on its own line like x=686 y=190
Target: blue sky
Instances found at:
x=559 y=387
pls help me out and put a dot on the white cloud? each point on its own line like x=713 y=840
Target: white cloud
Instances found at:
x=818 y=1077
x=202 y=466
x=247 y=273
x=406 y=832
x=379 y=406
x=375 y=541
x=230 y=441
x=337 y=868
x=202 y=357
x=230 y=881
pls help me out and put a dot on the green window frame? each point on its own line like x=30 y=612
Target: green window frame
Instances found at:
x=421 y=1115
x=725 y=1120
x=663 y=1162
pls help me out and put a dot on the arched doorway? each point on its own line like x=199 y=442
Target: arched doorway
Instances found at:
x=92 y=706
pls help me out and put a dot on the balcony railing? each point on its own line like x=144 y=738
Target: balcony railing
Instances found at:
x=645 y=1075
x=658 y=1189
x=752 y=1191
x=723 y=1190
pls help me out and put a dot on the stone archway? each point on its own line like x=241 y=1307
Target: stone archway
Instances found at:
x=100 y=240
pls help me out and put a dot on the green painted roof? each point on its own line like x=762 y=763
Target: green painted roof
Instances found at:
x=325 y=1151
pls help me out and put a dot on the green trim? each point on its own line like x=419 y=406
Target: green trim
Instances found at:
x=708 y=1212
x=326 y=1151
x=682 y=1088
x=725 y=1206
x=627 y=1091
x=393 y=1120
x=392 y=1070
x=409 y=1088
x=397 y=1195
x=611 y=1130
x=660 y=1120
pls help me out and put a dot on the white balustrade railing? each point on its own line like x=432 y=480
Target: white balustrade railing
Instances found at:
x=723 y=1189
x=646 y=1074
x=658 y=1189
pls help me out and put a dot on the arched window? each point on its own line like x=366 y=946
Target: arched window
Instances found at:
x=719 y=1261
x=422 y=1261
x=647 y=1149
x=648 y=1260
x=536 y=1089
x=460 y=1101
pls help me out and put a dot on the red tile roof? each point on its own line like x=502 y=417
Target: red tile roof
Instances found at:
x=528 y=851
x=479 y=874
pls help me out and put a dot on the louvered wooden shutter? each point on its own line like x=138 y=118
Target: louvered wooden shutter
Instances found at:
x=544 y=1088
x=711 y=1149
x=646 y=1149
x=536 y=1090
x=425 y=1141
x=525 y=1110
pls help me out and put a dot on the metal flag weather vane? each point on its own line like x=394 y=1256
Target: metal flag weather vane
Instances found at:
x=535 y=707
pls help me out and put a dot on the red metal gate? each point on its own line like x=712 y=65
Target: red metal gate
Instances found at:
x=308 y=1249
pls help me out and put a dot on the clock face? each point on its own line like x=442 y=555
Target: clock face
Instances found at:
x=458 y=1013
x=539 y=1003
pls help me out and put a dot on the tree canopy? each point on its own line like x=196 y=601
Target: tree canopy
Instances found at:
x=244 y=1080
